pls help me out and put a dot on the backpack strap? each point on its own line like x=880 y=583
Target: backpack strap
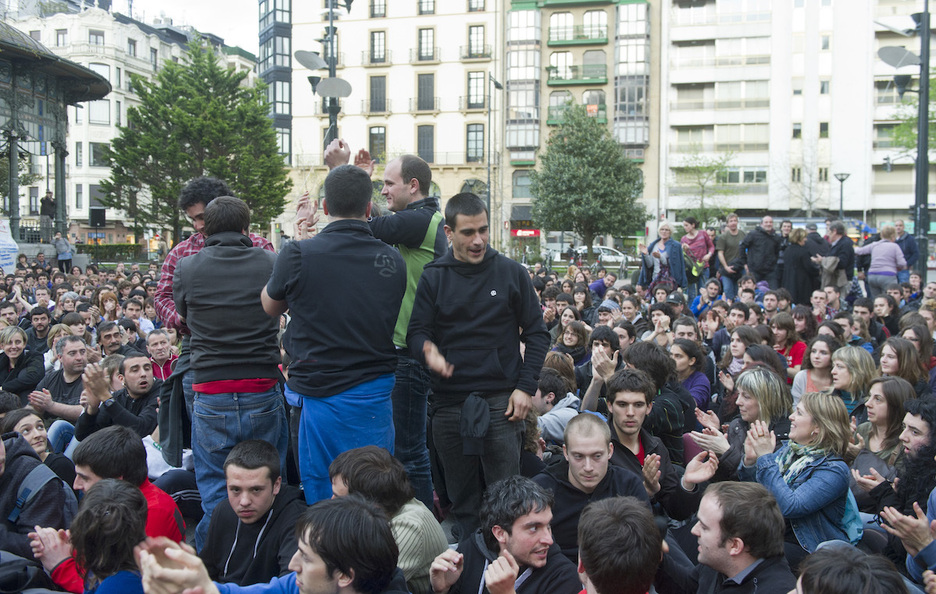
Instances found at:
x=35 y=480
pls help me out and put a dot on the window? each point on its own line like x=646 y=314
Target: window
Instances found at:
x=279 y=93
x=426 y=6
x=475 y=90
x=377 y=142
x=823 y=129
x=475 y=5
x=281 y=55
x=283 y=141
x=79 y=113
x=797 y=86
x=34 y=200
x=425 y=92
x=521 y=184
x=796 y=175
x=476 y=47
x=560 y=26
x=97 y=154
x=378 y=93
x=61 y=37
x=823 y=174
x=117 y=73
x=79 y=195
x=79 y=154
x=425 y=143
x=378 y=8
x=96 y=37
x=102 y=69
x=282 y=13
x=117 y=111
x=562 y=63
x=99 y=111
x=131 y=47
x=825 y=41
x=596 y=24
x=378 y=47
x=37 y=35
x=756 y=176
x=426 y=44
x=475 y=143
x=524 y=25
x=823 y=87
x=154 y=57
x=797 y=130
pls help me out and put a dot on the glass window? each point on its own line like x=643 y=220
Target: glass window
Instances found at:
x=521 y=184
x=79 y=154
x=823 y=87
x=426 y=6
x=524 y=25
x=61 y=37
x=560 y=26
x=426 y=44
x=280 y=96
x=79 y=113
x=37 y=35
x=377 y=142
x=595 y=24
x=823 y=174
x=796 y=175
x=562 y=63
x=825 y=41
x=97 y=154
x=523 y=65
x=475 y=143
x=96 y=37
x=131 y=47
x=118 y=108
x=117 y=77
x=99 y=111
x=476 y=47
x=522 y=100
x=282 y=11
x=283 y=141
x=154 y=57
x=475 y=90
x=378 y=47
x=266 y=14
x=79 y=195
x=378 y=94
x=425 y=143
x=102 y=69
x=797 y=130
x=426 y=92
x=34 y=200
x=378 y=8
x=282 y=57
x=823 y=129
x=475 y=5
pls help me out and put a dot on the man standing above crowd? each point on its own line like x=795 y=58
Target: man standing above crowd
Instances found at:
x=341 y=341
x=471 y=307
x=842 y=248
x=728 y=248
x=911 y=252
x=235 y=354
x=759 y=250
x=416 y=229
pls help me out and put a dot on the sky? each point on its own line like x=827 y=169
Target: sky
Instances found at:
x=235 y=21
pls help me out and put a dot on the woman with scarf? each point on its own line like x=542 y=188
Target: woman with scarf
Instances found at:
x=574 y=342
x=662 y=262
x=808 y=475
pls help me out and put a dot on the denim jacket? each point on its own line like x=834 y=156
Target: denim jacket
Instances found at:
x=814 y=504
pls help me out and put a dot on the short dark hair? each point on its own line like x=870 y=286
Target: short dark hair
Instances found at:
x=751 y=513
x=348 y=191
x=507 y=500
x=103 y=326
x=551 y=292
x=653 y=359
x=742 y=307
x=110 y=522
x=865 y=302
x=351 y=535
x=372 y=472
x=7 y=305
x=202 y=190
x=253 y=454
x=551 y=381
x=620 y=546
x=134 y=301
x=631 y=380
x=39 y=311
x=845 y=569
x=226 y=213
x=465 y=203
x=113 y=452
x=412 y=167
x=64 y=341
x=9 y=401
x=837 y=226
x=606 y=334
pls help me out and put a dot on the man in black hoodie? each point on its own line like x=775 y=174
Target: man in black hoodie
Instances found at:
x=252 y=535
x=760 y=250
x=473 y=308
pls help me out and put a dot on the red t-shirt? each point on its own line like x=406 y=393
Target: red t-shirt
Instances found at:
x=794 y=355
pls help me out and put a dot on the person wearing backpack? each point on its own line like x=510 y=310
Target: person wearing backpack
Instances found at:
x=45 y=505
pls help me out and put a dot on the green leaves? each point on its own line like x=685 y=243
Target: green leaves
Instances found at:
x=196 y=118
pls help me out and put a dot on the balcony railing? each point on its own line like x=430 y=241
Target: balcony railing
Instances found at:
x=588 y=73
x=369 y=58
x=475 y=52
x=720 y=61
x=720 y=104
x=424 y=104
x=466 y=103
x=556 y=113
x=683 y=17
x=424 y=54
x=375 y=106
x=578 y=34
x=706 y=147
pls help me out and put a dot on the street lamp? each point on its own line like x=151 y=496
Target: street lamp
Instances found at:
x=842 y=177
x=499 y=87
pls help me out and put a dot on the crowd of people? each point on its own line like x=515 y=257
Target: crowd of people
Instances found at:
x=754 y=414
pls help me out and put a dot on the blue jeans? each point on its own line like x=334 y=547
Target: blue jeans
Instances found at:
x=61 y=438
x=467 y=476
x=410 y=397
x=359 y=416
x=729 y=288
x=903 y=276
x=221 y=421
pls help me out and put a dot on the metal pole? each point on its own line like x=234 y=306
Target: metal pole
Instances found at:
x=842 y=200
x=921 y=212
x=333 y=107
x=490 y=94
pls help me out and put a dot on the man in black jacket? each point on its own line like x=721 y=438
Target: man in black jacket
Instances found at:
x=740 y=531
x=134 y=406
x=235 y=353
x=252 y=534
x=760 y=250
x=513 y=548
x=473 y=308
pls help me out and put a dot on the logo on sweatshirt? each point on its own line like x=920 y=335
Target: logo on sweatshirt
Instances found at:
x=493 y=293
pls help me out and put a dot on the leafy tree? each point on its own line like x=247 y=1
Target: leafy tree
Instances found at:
x=195 y=118
x=703 y=176
x=586 y=184
x=25 y=177
x=905 y=133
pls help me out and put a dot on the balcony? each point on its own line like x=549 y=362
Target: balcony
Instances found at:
x=720 y=61
x=708 y=147
x=687 y=17
x=722 y=104
x=576 y=2
x=556 y=113
x=426 y=55
x=578 y=35
x=426 y=104
x=375 y=107
x=370 y=58
x=589 y=74
x=472 y=103
x=475 y=52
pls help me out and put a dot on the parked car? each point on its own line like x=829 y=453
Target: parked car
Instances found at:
x=606 y=254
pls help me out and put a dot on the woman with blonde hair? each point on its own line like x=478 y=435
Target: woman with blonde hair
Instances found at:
x=852 y=373
x=807 y=475
x=886 y=260
x=662 y=261
x=21 y=369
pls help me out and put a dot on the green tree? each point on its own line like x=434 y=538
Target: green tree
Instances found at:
x=905 y=133
x=25 y=177
x=586 y=184
x=702 y=178
x=195 y=118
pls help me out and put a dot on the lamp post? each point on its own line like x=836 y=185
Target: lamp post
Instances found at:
x=499 y=87
x=842 y=177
